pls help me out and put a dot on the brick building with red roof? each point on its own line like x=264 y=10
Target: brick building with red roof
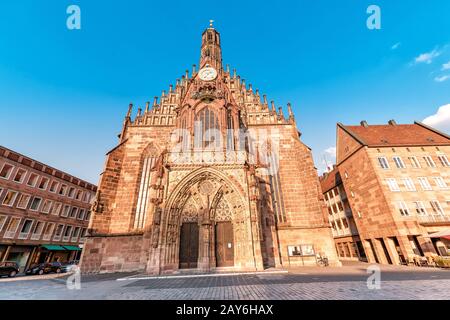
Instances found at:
x=396 y=177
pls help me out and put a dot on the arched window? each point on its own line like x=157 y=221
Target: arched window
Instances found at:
x=184 y=134
x=207 y=134
x=230 y=131
x=150 y=156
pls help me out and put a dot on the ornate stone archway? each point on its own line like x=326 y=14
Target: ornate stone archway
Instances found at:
x=206 y=197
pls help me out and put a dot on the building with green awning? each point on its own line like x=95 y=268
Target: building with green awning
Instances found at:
x=52 y=247
x=72 y=248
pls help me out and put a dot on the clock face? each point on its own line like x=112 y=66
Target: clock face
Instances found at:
x=207 y=74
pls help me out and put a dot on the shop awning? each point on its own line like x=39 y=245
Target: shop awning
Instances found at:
x=441 y=234
x=53 y=247
x=72 y=248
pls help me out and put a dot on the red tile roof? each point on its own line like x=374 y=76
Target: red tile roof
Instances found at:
x=416 y=134
x=330 y=180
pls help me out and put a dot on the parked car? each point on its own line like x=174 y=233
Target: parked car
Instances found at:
x=69 y=266
x=42 y=268
x=8 y=268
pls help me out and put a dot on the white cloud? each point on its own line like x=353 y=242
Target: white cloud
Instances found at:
x=328 y=159
x=441 y=119
x=396 y=46
x=442 y=78
x=446 y=66
x=427 y=57
x=331 y=151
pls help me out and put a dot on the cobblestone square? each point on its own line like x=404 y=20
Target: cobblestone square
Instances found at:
x=346 y=283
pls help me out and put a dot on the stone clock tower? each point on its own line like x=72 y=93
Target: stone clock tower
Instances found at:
x=210 y=177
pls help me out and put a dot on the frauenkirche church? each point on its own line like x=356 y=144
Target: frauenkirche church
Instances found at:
x=209 y=178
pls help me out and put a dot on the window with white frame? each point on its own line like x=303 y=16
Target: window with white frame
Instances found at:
x=83 y=234
x=73 y=212
x=440 y=182
x=383 y=162
x=67 y=233
x=420 y=208
x=12 y=227
x=54 y=186
x=20 y=175
x=32 y=179
x=429 y=161
x=409 y=184
x=398 y=162
x=3 y=219
x=81 y=214
x=76 y=233
x=35 y=204
x=345 y=223
x=436 y=207
x=10 y=198
x=47 y=206
x=71 y=192
x=26 y=228
x=24 y=200
x=44 y=183
x=65 y=212
x=88 y=216
x=37 y=230
x=79 y=195
x=403 y=208
x=62 y=190
x=444 y=160
x=56 y=208
x=414 y=162
x=48 y=231
x=6 y=171
x=58 y=232
x=393 y=185
x=424 y=183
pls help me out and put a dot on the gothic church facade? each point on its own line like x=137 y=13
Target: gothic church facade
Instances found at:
x=208 y=178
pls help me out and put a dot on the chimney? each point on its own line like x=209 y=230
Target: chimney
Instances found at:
x=364 y=124
x=392 y=122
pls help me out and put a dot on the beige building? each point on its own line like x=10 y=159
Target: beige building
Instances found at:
x=397 y=181
x=340 y=216
x=44 y=212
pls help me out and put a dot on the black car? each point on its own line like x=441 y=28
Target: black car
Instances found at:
x=9 y=269
x=42 y=268
x=70 y=266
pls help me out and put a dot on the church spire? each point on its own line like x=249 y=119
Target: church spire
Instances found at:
x=211 y=52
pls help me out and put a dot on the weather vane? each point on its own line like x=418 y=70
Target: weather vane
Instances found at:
x=211 y=23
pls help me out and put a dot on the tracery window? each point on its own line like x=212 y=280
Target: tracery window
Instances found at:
x=144 y=189
x=207 y=129
x=230 y=136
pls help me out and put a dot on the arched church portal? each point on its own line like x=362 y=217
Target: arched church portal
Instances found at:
x=205 y=222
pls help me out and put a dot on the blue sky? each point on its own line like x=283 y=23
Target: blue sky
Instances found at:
x=63 y=93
